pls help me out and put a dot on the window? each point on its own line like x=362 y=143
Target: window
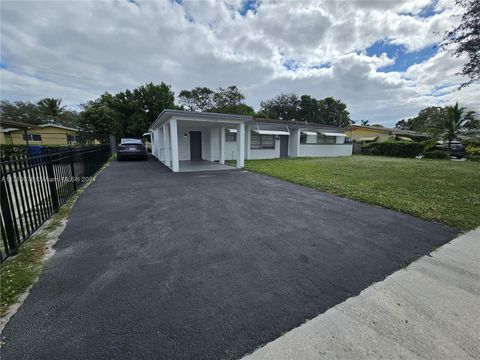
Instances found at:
x=258 y=141
x=32 y=137
x=73 y=138
x=230 y=136
x=317 y=139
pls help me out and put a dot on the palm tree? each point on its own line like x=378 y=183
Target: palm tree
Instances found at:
x=452 y=122
x=365 y=123
x=51 y=107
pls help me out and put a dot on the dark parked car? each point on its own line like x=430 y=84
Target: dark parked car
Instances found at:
x=457 y=149
x=131 y=149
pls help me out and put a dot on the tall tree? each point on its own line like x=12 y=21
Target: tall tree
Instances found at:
x=333 y=112
x=52 y=108
x=465 y=39
x=308 y=109
x=128 y=113
x=283 y=106
x=422 y=120
x=224 y=98
x=96 y=121
x=454 y=122
x=197 y=99
x=23 y=111
x=228 y=101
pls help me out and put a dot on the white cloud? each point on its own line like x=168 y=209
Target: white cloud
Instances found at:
x=78 y=50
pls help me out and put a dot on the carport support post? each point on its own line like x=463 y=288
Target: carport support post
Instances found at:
x=222 y=145
x=240 y=145
x=166 y=146
x=174 y=144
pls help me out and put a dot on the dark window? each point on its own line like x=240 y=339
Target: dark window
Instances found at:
x=230 y=136
x=258 y=141
x=73 y=138
x=32 y=137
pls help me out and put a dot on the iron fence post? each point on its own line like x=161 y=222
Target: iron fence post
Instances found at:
x=72 y=168
x=7 y=218
x=52 y=184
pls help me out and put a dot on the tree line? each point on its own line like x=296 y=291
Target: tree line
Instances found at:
x=129 y=113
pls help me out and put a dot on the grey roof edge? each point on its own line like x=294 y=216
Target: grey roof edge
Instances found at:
x=296 y=124
x=170 y=112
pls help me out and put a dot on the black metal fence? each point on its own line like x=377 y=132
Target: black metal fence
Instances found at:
x=33 y=188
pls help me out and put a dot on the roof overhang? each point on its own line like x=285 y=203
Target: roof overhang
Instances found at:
x=56 y=126
x=311 y=133
x=168 y=114
x=333 y=134
x=14 y=124
x=270 y=132
x=372 y=138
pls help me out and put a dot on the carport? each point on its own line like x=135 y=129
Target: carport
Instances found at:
x=194 y=141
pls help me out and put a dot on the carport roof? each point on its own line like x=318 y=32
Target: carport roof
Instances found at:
x=167 y=114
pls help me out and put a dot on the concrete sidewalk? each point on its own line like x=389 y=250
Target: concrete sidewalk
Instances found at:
x=430 y=310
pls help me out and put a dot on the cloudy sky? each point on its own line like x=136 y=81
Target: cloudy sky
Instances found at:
x=377 y=56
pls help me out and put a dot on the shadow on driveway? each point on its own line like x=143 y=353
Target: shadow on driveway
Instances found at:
x=157 y=265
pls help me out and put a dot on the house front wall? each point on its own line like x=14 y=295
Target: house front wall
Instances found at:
x=49 y=136
x=359 y=133
x=325 y=150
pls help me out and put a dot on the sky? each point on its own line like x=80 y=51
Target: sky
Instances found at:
x=379 y=57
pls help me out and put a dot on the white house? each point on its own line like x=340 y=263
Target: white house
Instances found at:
x=189 y=141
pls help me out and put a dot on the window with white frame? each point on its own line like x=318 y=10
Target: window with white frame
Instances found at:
x=258 y=141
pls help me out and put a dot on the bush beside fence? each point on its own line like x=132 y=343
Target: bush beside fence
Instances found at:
x=393 y=148
x=32 y=189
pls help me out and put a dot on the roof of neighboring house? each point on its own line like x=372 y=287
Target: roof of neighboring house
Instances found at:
x=14 y=124
x=294 y=123
x=373 y=128
x=7 y=130
x=387 y=130
x=57 y=126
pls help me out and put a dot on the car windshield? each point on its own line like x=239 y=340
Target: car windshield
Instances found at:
x=130 y=141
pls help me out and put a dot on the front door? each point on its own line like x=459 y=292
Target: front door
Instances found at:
x=283 y=145
x=195 y=145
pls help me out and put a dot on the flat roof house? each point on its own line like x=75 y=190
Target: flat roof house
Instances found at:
x=189 y=141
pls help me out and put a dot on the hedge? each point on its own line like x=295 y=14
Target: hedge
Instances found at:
x=436 y=154
x=393 y=148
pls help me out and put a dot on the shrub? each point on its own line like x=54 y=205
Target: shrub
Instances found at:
x=393 y=148
x=473 y=157
x=436 y=154
x=429 y=145
x=471 y=150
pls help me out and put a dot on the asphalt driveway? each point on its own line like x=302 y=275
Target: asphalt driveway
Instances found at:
x=156 y=265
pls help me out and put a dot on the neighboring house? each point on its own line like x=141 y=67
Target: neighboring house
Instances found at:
x=182 y=136
x=46 y=134
x=361 y=133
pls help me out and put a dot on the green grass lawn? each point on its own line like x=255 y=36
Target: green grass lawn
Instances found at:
x=439 y=190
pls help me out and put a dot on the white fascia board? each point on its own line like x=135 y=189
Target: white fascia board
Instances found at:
x=309 y=132
x=333 y=134
x=270 y=132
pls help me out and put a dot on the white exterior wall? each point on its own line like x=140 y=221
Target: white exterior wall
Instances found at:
x=183 y=142
x=325 y=150
x=230 y=150
x=293 y=143
x=214 y=144
x=266 y=153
